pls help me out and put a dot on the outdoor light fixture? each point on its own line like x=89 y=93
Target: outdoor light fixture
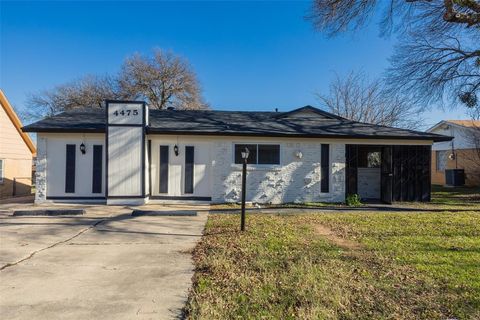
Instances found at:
x=175 y=149
x=245 y=155
x=299 y=154
x=83 y=149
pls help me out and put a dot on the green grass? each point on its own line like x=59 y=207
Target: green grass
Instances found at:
x=230 y=206
x=458 y=196
x=406 y=266
x=443 y=198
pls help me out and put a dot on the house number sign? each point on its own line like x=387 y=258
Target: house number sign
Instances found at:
x=125 y=113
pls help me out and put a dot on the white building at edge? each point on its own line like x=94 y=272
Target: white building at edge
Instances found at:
x=127 y=154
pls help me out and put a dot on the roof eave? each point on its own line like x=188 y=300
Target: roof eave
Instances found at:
x=17 y=123
x=243 y=134
x=437 y=138
x=63 y=130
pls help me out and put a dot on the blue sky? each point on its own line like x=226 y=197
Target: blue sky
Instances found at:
x=247 y=55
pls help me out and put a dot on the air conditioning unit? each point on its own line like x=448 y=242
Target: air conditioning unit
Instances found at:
x=454 y=177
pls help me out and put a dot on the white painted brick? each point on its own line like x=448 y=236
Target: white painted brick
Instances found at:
x=41 y=170
x=295 y=180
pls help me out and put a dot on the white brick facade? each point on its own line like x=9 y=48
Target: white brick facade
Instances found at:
x=41 y=170
x=294 y=180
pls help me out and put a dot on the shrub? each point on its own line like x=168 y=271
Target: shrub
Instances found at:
x=353 y=200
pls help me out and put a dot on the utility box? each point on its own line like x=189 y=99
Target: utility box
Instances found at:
x=455 y=177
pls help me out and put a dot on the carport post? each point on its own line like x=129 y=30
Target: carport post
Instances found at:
x=244 y=182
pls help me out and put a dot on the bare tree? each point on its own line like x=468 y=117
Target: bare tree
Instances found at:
x=436 y=70
x=438 y=56
x=356 y=98
x=434 y=16
x=89 y=91
x=162 y=81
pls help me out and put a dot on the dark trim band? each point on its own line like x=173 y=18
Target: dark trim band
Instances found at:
x=187 y=198
x=75 y=198
x=127 y=197
x=125 y=125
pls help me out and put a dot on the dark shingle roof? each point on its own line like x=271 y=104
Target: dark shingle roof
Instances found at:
x=303 y=122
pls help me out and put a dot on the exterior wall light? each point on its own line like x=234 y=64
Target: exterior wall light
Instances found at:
x=299 y=154
x=175 y=150
x=83 y=149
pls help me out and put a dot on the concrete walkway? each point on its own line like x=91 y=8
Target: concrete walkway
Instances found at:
x=104 y=265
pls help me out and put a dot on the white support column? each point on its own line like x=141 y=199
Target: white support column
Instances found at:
x=126 y=153
x=41 y=170
x=338 y=167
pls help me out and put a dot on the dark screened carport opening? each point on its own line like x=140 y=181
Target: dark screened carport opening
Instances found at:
x=388 y=173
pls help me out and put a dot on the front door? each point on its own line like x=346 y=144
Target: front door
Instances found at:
x=386 y=175
x=180 y=169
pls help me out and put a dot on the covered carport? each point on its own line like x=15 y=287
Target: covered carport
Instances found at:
x=403 y=172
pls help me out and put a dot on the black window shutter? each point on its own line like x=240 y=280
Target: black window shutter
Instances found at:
x=70 y=169
x=189 y=165
x=325 y=164
x=97 y=169
x=351 y=161
x=163 y=169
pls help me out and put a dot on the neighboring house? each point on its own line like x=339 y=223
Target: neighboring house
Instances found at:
x=128 y=154
x=16 y=152
x=463 y=152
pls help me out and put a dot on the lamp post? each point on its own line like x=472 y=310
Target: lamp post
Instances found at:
x=245 y=155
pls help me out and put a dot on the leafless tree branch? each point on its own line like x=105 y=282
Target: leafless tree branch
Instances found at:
x=355 y=97
x=163 y=80
x=438 y=56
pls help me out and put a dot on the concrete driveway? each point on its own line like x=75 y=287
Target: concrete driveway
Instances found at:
x=105 y=265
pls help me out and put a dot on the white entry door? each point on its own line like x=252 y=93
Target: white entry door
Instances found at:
x=181 y=169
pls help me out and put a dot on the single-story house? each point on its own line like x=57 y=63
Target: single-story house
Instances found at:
x=128 y=154
x=16 y=153
x=462 y=152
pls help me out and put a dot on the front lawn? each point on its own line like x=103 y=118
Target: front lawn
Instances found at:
x=361 y=265
x=458 y=196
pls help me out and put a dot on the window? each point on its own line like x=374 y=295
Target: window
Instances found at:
x=1 y=171
x=252 y=148
x=373 y=159
x=369 y=157
x=259 y=153
x=441 y=160
x=268 y=154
